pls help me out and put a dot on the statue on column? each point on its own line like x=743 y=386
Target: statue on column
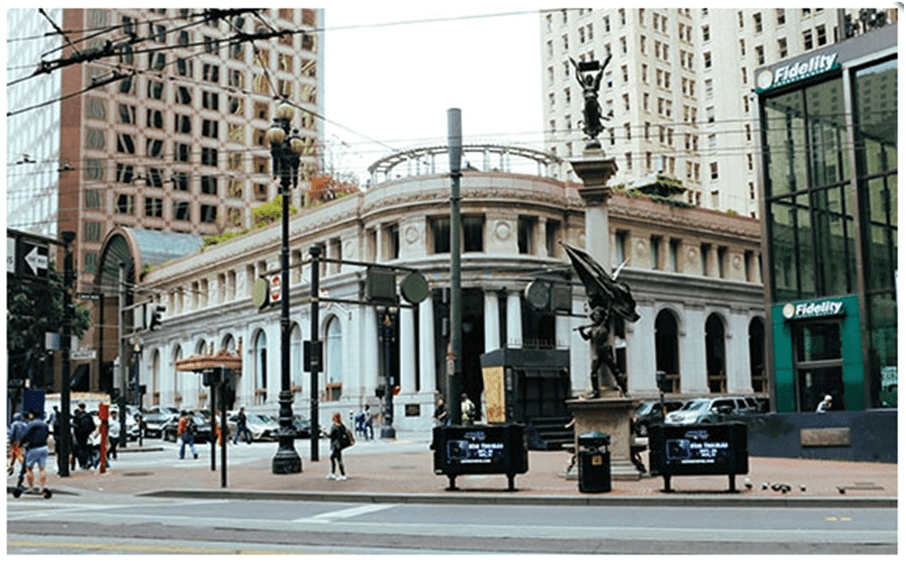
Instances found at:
x=592 y=115
x=606 y=297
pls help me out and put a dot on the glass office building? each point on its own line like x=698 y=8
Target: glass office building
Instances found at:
x=828 y=128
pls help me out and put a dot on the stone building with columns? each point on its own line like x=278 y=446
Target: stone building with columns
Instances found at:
x=694 y=274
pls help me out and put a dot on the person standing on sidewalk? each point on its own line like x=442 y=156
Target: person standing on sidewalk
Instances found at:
x=339 y=439
x=186 y=434
x=82 y=427
x=16 y=453
x=113 y=435
x=369 y=423
x=242 y=427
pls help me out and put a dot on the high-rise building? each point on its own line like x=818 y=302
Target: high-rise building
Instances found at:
x=678 y=88
x=153 y=118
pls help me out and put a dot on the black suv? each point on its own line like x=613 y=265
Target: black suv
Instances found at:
x=649 y=412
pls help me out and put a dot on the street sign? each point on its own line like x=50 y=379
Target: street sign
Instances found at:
x=89 y=296
x=275 y=287
x=33 y=258
x=10 y=255
x=83 y=355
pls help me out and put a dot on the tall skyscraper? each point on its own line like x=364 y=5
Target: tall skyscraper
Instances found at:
x=678 y=89
x=155 y=118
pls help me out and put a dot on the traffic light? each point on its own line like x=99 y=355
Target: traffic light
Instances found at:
x=156 y=317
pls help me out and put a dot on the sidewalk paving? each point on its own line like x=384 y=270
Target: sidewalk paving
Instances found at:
x=402 y=470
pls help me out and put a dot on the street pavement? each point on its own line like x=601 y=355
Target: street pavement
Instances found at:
x=402 y=470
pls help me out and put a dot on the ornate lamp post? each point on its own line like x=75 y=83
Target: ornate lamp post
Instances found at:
x=285 y=151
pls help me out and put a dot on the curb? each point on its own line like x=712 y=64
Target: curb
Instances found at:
x=668 y=500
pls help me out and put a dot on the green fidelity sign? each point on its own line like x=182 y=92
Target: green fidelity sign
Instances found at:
x=826 y=308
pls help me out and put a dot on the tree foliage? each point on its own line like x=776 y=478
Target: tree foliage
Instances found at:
x=33 y=309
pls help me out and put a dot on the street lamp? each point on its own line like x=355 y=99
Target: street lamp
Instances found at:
x=285 y=151
x=387 y=334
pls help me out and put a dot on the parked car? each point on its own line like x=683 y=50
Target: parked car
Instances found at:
x=158 y=409
x=154 y=423
x=202 y=430
x=302 y=426
x=262 y=427
x=649 y=412
x=708 y=409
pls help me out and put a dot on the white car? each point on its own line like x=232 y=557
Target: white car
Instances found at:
x=700 y=411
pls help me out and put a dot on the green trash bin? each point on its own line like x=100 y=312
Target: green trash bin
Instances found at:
x=594 y=462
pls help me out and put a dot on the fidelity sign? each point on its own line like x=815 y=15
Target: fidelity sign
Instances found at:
x=815 y=309
x=796 y=71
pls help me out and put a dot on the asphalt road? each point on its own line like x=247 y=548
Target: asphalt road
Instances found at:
x=119 y=524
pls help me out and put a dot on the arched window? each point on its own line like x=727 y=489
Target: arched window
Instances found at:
x=228 y=343
x=333 y=369
x=260 y=368
x=715 y=354
x=666 y=343
x=756 y=356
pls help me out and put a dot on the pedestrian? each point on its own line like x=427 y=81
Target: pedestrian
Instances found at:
x=113 y=435
x=468 y=410
x=825 y=405
x=15 y=434
x=57 y=439
x=242 y=427
x=369 y=423
x=441 y=414
x=35 y=441
x=339 y=440
x=82 y=427
x=186 y=434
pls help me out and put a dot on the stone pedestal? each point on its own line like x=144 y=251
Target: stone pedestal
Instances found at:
x=610 y=415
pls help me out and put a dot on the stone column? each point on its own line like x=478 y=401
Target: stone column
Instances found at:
x=426 y=344
x=513 y=319
x=407 y=350
x=491 y=321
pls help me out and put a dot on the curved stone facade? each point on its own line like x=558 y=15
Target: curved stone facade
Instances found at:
x=513 y=224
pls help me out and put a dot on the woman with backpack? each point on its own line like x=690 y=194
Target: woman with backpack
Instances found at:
x=340 y=439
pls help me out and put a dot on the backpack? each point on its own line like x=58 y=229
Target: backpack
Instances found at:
x=85 y=424
x=346 y=438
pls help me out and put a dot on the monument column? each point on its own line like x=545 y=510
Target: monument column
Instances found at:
x=609 y=411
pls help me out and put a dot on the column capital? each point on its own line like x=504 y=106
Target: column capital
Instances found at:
x=594 y=170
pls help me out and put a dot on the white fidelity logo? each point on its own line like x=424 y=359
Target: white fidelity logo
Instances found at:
x=796 y=71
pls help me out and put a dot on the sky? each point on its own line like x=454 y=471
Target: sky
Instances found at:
x=392 y=70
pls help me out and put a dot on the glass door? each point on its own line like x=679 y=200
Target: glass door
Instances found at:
x=818 y=364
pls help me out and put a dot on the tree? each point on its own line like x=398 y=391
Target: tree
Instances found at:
x=327 y=188
x=33 y=309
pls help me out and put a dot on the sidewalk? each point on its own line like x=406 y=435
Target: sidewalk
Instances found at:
x=402 y=470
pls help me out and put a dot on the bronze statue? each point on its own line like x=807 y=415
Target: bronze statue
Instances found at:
x=592 y=124
x=606 y=296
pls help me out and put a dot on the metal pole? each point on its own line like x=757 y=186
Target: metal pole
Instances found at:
x=386 y=330
x=315 y=252
x=213 y=390
x=454 y=149
x=286 y=461
x=64 y=444
x=121 y=401
x=223 y=429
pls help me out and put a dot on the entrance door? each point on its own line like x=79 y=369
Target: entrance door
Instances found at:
x=818 y=363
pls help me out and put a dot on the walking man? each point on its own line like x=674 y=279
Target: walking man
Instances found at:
x=242 y=427
x=186 y=432
x=35 y=438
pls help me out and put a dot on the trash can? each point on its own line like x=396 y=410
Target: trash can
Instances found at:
x=594 y=462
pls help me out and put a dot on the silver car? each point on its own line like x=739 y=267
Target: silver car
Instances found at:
x=710 y=409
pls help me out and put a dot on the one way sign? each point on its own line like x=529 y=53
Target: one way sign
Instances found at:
x=34 y=258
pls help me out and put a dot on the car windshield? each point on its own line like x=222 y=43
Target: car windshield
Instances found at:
x=643 y=409
x=257 y=418
x=696 y=406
